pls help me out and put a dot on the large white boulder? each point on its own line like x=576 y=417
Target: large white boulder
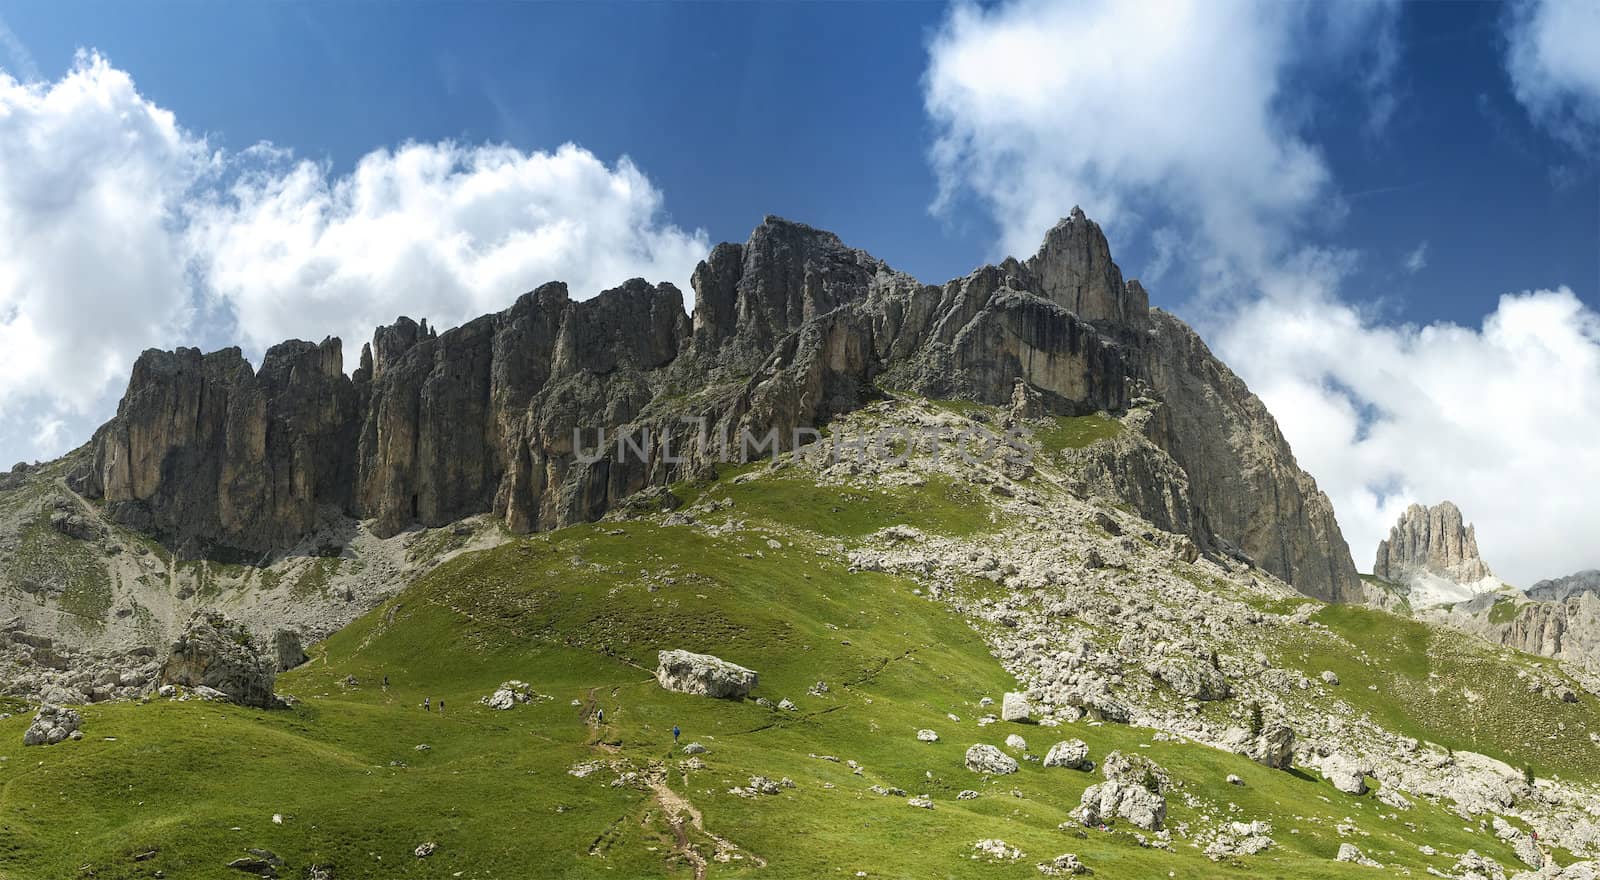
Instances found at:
x=1014 y=707
x=704 y=675
x=984 y=758
x=1070 y=753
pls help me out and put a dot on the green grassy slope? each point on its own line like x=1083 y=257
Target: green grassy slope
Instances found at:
x=182 y=788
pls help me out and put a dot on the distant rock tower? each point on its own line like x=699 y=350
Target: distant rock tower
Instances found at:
x=1431 y=540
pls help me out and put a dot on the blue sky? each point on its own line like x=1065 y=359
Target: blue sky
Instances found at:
x=815 y=112
x=1362 y=177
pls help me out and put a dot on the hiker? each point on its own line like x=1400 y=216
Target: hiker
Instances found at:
x=441 y=705
x=425 y=707
x=675 y=733
x=599 y=716
x=386 y=682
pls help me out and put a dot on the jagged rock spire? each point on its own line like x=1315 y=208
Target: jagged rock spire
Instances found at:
x=1434 y=540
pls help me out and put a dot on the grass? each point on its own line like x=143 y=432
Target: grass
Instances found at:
x=1438 y=686
x=1504 y=610
x=76 y=568
x=580 y=614
x=1076 y=432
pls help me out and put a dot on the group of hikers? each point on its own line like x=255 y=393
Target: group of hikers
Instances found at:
x=599 y=713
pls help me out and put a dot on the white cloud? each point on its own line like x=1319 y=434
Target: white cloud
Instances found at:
x=1417 y=260
x=1495 y=418
x=1185 y=122
x=436 y=230
x=120 y=230
x=1554 y=62
x=1128 y=107
x=93 y=182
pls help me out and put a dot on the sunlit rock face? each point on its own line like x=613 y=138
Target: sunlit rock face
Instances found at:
x=506 y=414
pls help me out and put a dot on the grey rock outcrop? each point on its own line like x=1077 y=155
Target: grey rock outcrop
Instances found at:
x=505 y=414
x=1134 y=790
x=704 y=675
x=1434 y=540
x=214 y=652
x=1273 y=747
x=287 y=649
x=984 y=758
x=1563 y=588
x=1191 y=678
x=52 y=724
x=1072 y=754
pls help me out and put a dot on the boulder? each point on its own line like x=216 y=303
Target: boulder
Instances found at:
x=288 y=650
x=1349 y=852
x=1015 y=707
x=1016 y=743
x=704 y=675
x=1191 y=678
x=1064 y=865
x=508 y=695
x=1345 y=773
x=1072 y=754
x=52 y=724
x=214 y=652
x=984 y=758
x=1274 y=747
x=1114 y=799
x=927 y=736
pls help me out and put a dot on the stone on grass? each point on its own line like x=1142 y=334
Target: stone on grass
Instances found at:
x=984 y=758
x=704 y=675
x=927 y=736
x=1345 y=773
x=1064 y=865
x=1348 y=852
x=1014 y=707
x=52 y=724
x=1274 y=747
x=1071 y=754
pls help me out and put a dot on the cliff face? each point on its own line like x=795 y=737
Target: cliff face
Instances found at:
x=1433 y=540
x=507 y=413
x=1241 y=471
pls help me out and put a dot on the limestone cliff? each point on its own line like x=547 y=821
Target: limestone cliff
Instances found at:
x=1433 y=540
x=552 y=411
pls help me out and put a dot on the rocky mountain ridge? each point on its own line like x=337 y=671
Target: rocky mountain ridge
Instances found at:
x=789 y=330
x=1563 y=588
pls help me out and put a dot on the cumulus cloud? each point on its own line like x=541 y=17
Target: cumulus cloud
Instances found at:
x=1494 y=418
x=121 y=230
x=1135 y=110
x=1186 y=122
x=1554 y=65
x=93 y=186
x=437 y=230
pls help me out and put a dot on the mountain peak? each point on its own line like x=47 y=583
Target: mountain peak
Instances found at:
x=1431 y=541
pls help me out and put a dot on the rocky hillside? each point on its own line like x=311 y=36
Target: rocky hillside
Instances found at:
x=789 y=330
x=1036 y=588
x=1429 y=567
x=948 y=668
